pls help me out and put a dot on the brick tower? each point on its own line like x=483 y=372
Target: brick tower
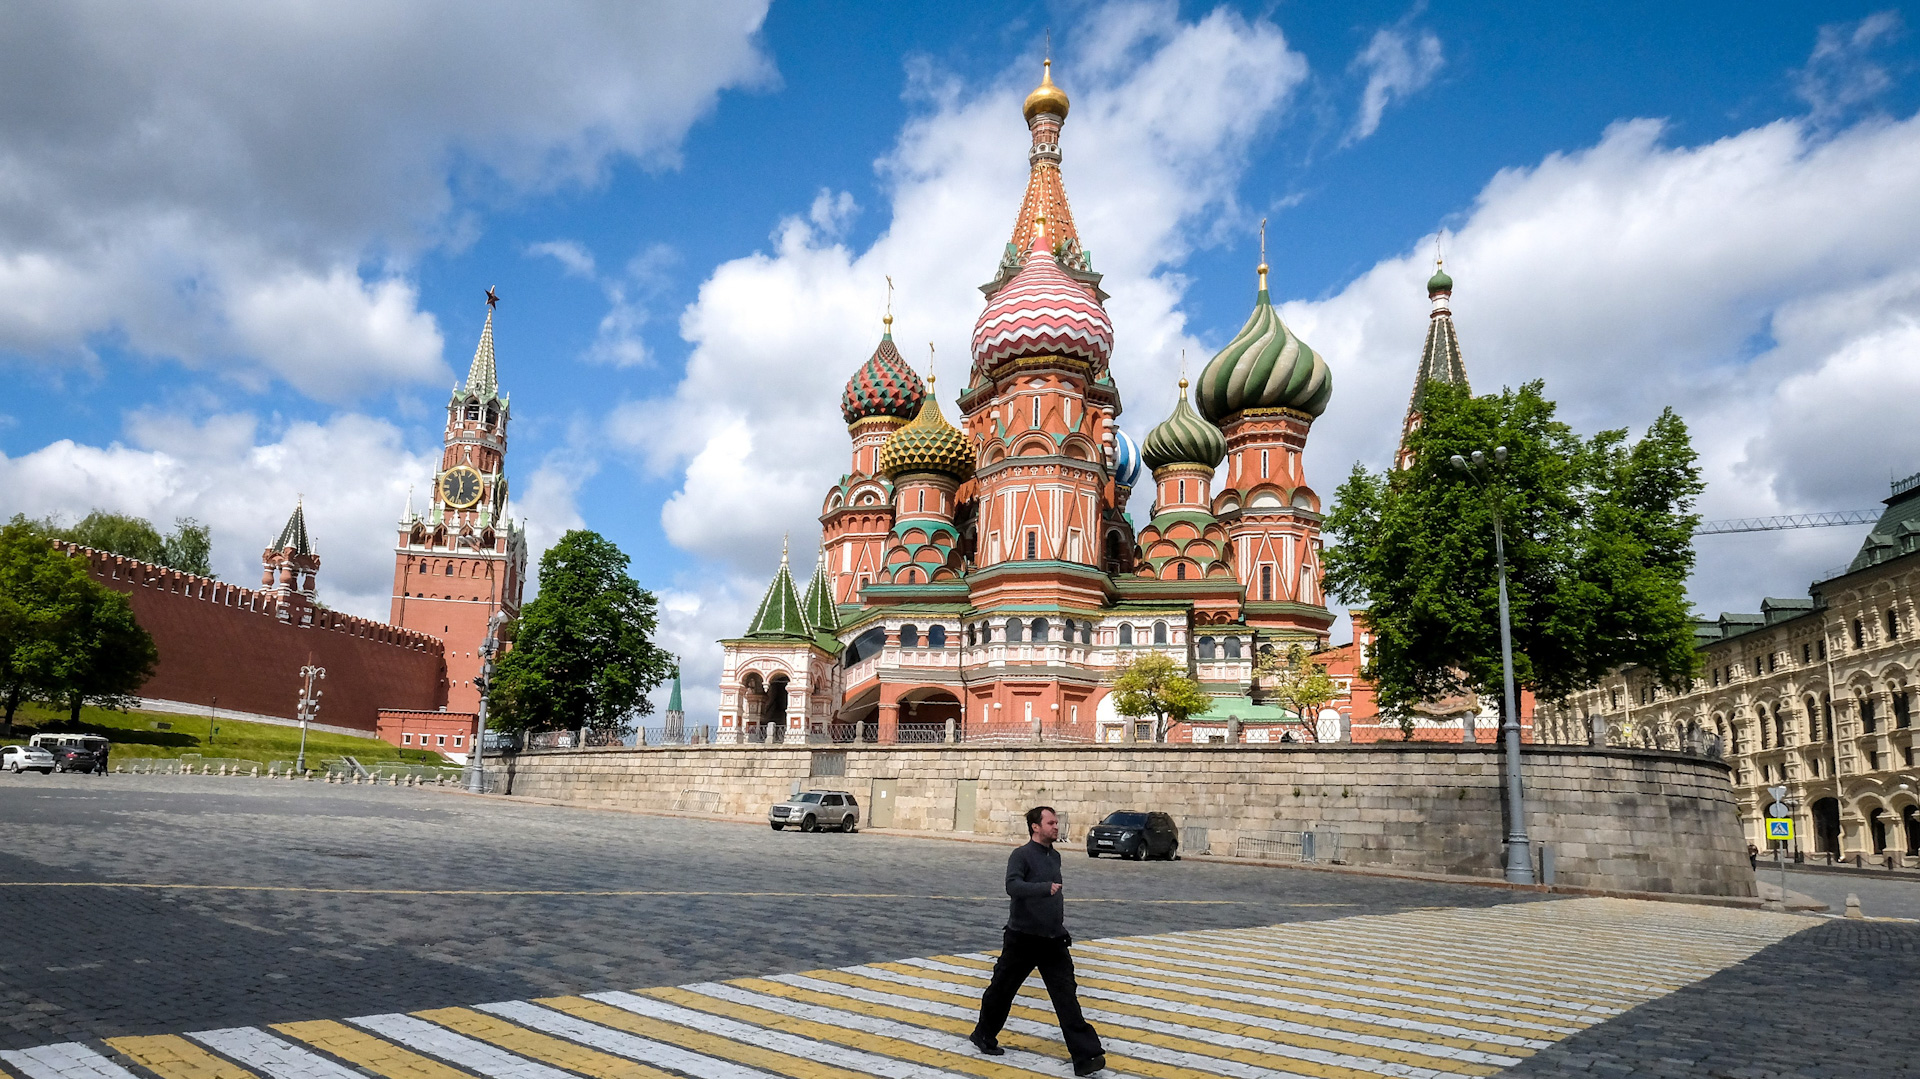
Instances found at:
x=465 y=557
x=287 y=571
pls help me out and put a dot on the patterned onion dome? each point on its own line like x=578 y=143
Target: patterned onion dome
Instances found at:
x=1042 y=312
x=928 y=444
x=1184 y=438
x=1264 y=366
x=885 y=385
x=1126 y=458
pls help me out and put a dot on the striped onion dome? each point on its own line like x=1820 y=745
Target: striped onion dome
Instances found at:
x=1264 y=366
x=885 y=385
x=1126 y=458
x=928 y=444
x=1184 y=438
x=1042 y=312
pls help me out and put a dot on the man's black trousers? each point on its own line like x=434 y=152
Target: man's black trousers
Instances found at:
x=1020 y=953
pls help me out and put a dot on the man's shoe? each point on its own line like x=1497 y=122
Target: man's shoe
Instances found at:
x=1089 y=1065
x=990 y=1048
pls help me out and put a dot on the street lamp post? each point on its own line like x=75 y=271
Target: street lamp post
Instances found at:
x=309 y=707
x=1519 y=848
x=476 y=750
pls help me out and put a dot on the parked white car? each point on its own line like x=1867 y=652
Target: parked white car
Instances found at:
x=26 y=759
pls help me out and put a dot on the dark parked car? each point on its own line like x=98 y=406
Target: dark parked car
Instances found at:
x=1133 y=834
x=72 y=758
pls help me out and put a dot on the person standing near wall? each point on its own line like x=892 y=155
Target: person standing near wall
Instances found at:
x=1036 y=936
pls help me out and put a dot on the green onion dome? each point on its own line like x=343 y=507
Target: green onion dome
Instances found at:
x=885 y=385
x=928 y=444
x=1264 y=366
x=1184 y=438
x=1439 y=282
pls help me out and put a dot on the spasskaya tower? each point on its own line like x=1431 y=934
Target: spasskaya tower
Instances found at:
x=465 y=557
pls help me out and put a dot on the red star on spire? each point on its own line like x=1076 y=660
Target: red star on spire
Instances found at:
x=492 y=298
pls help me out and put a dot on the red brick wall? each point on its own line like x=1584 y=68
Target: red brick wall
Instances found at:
x=220 y=640
x=442 y=732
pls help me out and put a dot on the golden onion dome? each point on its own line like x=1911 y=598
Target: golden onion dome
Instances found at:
x=1046 y=97
x=928 y=444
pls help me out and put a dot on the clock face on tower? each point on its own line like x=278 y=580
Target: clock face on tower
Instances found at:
x=460 y=487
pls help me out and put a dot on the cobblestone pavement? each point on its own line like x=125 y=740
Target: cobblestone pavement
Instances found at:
x=1879 y=897
x=208 y=928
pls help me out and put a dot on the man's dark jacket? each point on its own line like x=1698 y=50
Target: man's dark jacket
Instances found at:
x=1032 y=871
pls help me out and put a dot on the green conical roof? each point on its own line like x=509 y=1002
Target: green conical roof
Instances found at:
x=294 y=535
x=673 y=699
x=1184 y=438
x=818 y=606
x=781 y=616
x=1264 y=366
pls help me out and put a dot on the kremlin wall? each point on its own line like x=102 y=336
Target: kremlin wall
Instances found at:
x=237 y=652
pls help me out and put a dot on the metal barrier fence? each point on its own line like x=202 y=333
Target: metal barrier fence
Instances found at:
x=1309 y=845
x=673 y=736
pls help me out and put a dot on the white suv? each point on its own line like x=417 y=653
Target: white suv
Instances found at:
x=815 y=810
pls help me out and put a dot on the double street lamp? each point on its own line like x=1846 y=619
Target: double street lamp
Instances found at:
x=309 y=708
x=476 y=763
x=1519 y=848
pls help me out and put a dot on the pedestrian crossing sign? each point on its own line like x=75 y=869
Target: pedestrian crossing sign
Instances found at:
x=1780 y=828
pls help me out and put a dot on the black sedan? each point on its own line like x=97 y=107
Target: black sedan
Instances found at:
x=1134 y=834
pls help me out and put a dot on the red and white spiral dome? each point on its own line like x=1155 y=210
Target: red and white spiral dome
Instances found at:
x=1042 y=312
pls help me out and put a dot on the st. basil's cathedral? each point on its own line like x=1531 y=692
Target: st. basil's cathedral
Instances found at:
x=985 y=581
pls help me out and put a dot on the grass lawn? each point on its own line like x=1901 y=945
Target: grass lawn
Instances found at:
x=155 y=734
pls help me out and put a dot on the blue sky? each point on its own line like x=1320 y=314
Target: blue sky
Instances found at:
x=244 y=261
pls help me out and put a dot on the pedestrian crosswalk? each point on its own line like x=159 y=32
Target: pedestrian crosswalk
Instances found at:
x=1422 y=993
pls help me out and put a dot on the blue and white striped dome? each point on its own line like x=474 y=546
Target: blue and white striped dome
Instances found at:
x=1126 y=459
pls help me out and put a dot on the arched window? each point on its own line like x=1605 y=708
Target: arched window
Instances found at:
x=909 y=636
x=1180 y=572
x=449 y=569
x=1086 y=633
x=1779 y=728
x=1859 y=635
x=1013 y=631
x=866 y=645
x=1868 y=721
x=1232 y=647
x=423 y=567
x=1126 y=633
x=1902 y=709
x=473 y=413
x=1760 y=713
x=1036 y=411
x=1033 y=545
x=1813 y=720
x=1826 y=715
x=1893 y=624
x=923 y=498
x=1266 y=583
x=493 y=415
x=1183 y=491
x=936 y=636
x=1206 y=648
x=1040 y=628
x=971 y=640
x=1159 y=633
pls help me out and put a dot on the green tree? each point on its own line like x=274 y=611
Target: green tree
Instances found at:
x=104 y=655
x=60 y=632
x=189 y=548
x=1152 y=684
x=582 y=654
x=1598 y=541
x=1298 y=683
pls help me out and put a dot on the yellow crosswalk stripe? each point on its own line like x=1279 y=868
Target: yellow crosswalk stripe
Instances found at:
x=706 y=1044
x=542 y=1047
x=899 y=1048
x=377 y=1055
x=171 y=1057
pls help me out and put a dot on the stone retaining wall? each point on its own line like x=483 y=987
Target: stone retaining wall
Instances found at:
x=1636 y=820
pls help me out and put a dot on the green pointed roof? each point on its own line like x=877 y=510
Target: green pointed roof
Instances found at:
x=781 y=616
x=294 y=535
x=673 y=699
x=483 y=381
x=818 y=606
x=1184 y=438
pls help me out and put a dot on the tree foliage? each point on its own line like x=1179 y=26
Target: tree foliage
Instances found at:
x=1298 y=683
x=1152 y=684
x=63 y=637
x=189 y=548
x=1598 y=545
x=583 y=654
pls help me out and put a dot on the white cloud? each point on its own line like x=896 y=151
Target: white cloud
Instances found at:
x=1162 y=112
x=1766 y=284
x=171 y=179
x=1841 y=74
x=575 y=259
x=1398 y=63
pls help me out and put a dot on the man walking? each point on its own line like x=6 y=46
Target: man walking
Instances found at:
x=1036 y=936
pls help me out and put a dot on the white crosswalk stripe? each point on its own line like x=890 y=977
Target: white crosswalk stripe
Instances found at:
x=1423 y=994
